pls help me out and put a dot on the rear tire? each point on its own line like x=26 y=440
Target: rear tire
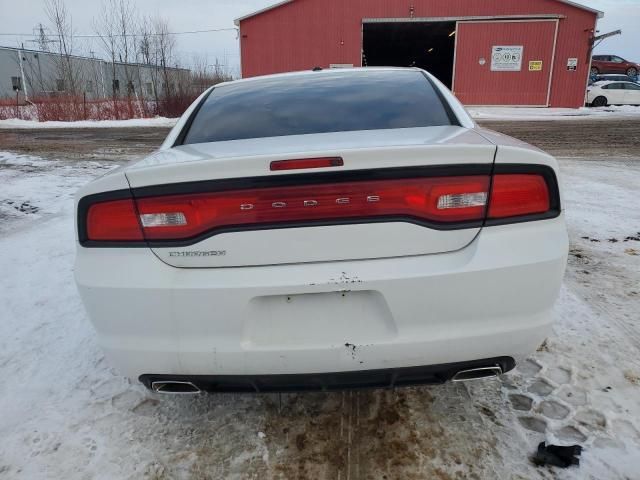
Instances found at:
x=594 y=71
x=632 y=72
x=599 y=102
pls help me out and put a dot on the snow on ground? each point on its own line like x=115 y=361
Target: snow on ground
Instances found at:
x=29 y=189
x=134 y=122
x=528 y=113
x=64 y=413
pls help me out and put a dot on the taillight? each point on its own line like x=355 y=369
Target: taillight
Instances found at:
x=515 y=195
x=428 y=200
x=115 y=220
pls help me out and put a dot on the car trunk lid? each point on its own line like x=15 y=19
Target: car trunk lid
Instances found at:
x=305 y=221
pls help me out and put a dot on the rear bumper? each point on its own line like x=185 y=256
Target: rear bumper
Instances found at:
x=491 y=299
x=389 y=378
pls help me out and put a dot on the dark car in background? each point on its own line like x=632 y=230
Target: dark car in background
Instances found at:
x=613 y=64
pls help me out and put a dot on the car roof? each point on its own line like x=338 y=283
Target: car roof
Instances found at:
x=609 y=82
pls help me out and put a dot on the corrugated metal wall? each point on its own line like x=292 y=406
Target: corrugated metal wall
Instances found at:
x=473 y=63
x=41 y=71
x=307 y=33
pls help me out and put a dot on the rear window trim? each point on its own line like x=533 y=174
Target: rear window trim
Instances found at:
x=453 y=118
x=187 y=126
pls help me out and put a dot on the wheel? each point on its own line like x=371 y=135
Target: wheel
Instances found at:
x=632 y=72
x=599 y=102
x=594 y=71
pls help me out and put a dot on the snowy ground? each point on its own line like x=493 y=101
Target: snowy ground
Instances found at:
x=134 y=122
x=64 y=413
x=534 y=114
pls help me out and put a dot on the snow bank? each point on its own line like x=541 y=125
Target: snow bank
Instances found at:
x=527 y=113
x=134 y=122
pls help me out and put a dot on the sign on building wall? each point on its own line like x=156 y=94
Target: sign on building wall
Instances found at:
x=535 y=66
x=572 y=64
x=506 y=58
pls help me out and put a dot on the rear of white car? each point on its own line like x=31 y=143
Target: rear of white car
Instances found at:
x=323 y=230
x=601 y=94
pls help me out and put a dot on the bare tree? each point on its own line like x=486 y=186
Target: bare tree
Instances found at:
x=148 y=55
x=62 y=25
x=126 y=17
x=105 y=27
x=221 y=72
x=200 y=77
x=126 y=40
x=117 y=29
x=204 y=74
x=164 y=46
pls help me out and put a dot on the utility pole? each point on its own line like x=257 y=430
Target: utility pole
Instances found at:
x=43 y=41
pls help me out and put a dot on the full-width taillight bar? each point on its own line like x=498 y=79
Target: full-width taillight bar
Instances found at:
x=444 y=202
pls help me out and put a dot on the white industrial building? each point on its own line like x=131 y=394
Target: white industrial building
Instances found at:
x=33 y=74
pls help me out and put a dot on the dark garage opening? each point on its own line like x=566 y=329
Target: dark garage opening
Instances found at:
x=427 y=45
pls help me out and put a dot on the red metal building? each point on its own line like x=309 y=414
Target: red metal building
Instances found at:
x=490 y=52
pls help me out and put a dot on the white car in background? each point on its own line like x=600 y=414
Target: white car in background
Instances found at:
x=601 y=94
x=323 y=230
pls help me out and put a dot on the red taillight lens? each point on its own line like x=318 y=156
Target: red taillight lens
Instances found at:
x=115 y=220
x=429 y=200
x=439 y=202
x=306 y=163
x=514 y=195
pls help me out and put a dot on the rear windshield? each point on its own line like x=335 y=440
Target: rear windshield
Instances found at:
x=336 y=102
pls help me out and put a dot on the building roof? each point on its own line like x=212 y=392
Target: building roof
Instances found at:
x=237 y=21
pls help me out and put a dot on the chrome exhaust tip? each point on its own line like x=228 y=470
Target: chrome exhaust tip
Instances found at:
x=171 y=387
x=477 y=373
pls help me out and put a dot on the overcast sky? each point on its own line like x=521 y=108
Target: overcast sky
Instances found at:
x=185 y=15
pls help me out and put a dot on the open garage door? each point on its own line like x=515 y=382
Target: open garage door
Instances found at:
x=504 y=62
x=427 y=45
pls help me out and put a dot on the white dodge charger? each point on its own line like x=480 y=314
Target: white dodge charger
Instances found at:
x=323 y=230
